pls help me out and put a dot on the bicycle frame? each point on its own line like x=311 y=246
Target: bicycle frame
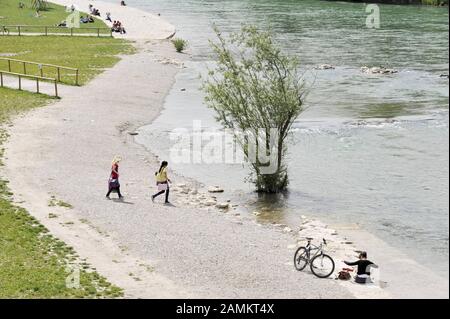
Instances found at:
x=311 y=247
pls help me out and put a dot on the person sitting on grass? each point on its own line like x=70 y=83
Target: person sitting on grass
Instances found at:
x=62 y=24
x=364 y=266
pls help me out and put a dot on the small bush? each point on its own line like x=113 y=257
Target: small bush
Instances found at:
x=180 y=44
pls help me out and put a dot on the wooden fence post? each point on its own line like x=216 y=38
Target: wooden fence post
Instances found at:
x=20 y=82
x=1 y=78
x=56 y=88
x=37 y=85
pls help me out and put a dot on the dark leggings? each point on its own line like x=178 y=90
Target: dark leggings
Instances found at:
x=117 y=189
x=162 y=192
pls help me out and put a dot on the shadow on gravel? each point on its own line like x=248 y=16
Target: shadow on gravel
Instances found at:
x=120 y=201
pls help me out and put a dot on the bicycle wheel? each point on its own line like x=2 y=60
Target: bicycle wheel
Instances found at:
x=322 y=266
x=300 y=259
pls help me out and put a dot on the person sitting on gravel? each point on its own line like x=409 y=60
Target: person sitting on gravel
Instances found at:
x=122 y=3
x=364 y=266
x=108 y=17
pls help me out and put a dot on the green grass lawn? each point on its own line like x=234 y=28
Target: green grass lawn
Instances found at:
x=90 y=55
x=10 y=14
x=13 y=102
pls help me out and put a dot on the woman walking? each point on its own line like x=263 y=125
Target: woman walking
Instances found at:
x=162 y=182
x=113 y=183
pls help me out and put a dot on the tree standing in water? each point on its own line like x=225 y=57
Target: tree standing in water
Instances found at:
x=258 y=90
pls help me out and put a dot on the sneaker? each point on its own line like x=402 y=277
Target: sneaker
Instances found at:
x=107 y=197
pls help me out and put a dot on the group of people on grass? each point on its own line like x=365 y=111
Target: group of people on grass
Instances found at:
x=118 y=27
x=87 y=19
x=94 y=11
x=161 y=176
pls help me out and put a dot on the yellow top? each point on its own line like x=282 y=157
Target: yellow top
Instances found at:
x=162 y=176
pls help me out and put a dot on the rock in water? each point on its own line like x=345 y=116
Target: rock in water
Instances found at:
x=324 y=67
x=378 y=70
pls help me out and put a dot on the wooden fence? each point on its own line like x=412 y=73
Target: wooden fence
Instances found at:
x=33 y=77
x=40 y=66
x=53 y=30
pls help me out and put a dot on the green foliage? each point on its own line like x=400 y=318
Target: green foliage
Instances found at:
x=180 y=44
x=254 y=88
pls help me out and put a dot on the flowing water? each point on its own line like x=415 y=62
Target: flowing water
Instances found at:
x=370 y=149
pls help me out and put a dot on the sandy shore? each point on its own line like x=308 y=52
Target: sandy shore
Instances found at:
x=138 y=24
x=150 y=250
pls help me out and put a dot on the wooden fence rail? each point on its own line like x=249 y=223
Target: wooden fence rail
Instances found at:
x=45 y=30
x=33 y=77
x=41 y=66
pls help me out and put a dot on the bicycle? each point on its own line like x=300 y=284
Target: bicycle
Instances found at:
x=320 y=263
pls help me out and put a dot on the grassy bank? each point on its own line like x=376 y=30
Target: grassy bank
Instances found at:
x=11 y=14
x=34 y=264
x=89 y=54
